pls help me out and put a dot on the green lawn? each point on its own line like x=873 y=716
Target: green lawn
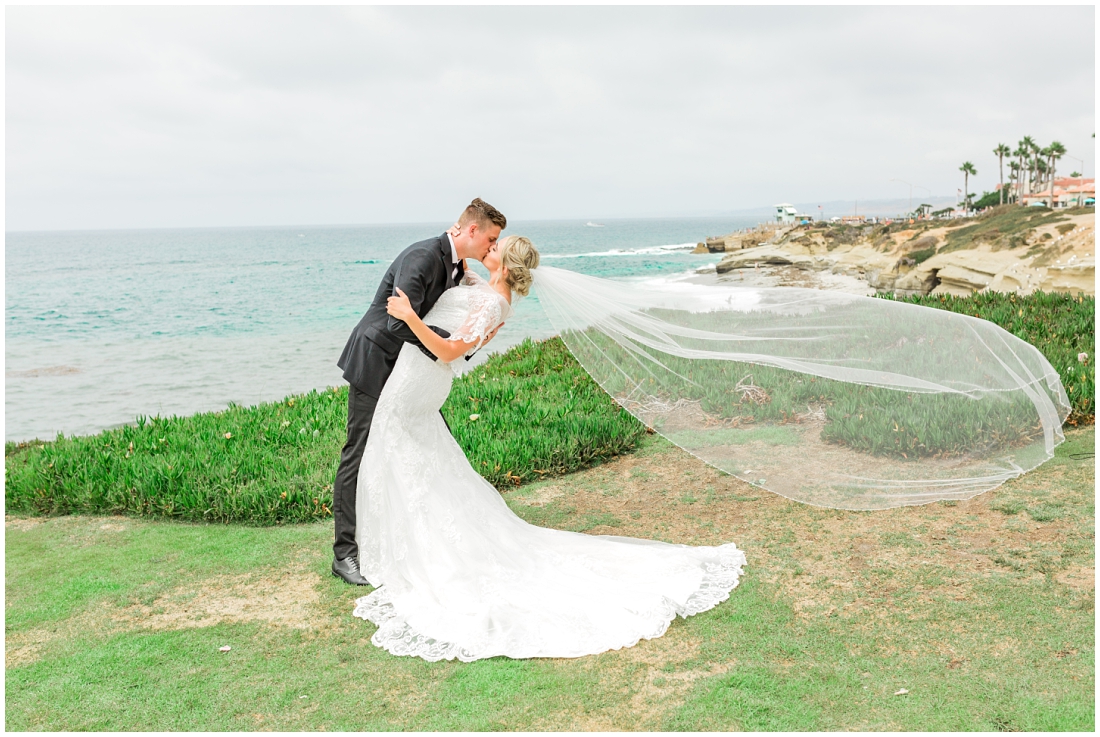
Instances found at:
x=981 y=610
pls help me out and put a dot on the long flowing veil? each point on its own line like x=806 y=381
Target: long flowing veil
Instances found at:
x=830 y=399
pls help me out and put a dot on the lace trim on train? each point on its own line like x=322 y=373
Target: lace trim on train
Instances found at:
x=396 y=637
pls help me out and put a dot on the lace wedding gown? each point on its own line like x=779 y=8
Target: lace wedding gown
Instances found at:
x=459 y=575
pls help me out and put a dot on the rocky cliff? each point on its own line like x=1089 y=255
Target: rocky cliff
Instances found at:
x=1011 y=249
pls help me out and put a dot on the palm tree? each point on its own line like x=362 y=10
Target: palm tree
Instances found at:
x=1044 y=154
x=1001 y=152
x=1020 y=153
x=1026 y=144
x=1036 y=158
x=967 y=169
x=1054 y=151
x=1014 y=177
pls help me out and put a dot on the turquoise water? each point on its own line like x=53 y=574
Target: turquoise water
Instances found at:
x=102 y=326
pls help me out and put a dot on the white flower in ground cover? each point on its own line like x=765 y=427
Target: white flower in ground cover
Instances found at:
x=1082 y=357
x=474 y=418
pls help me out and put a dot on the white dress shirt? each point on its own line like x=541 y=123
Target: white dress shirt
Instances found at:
x=454 y=256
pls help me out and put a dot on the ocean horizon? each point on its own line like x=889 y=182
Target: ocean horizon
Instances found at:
x=103 y=326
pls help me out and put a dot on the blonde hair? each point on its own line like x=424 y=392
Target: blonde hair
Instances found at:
x=519 y=255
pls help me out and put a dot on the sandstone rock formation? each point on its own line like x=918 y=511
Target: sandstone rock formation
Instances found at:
x=1057 y=255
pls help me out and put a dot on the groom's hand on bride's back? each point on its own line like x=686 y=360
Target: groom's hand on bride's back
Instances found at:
x=485 y=342
x=492 y=333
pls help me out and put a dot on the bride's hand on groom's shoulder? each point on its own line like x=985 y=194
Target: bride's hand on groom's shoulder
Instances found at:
x=399 y=306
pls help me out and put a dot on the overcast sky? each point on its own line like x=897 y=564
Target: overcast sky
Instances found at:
x=206 y=116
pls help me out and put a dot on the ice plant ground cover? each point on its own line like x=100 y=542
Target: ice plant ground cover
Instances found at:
x=528 y=414
x=1061 y=326
x=979 y=615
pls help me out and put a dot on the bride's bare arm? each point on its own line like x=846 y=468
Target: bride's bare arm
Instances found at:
x=443 y=349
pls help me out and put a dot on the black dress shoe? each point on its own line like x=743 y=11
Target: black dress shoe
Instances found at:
x=348 y=569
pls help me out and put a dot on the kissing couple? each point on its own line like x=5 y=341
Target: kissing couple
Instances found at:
x=456 y=573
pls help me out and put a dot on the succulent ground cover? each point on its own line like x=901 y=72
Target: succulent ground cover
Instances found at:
x=883 y=422
x=528 y=414
x=1061 y=326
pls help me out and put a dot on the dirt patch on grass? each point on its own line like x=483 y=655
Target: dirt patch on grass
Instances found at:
x=653 y=670
x=27 y=646
x=115 y=524
x=73 y=530
x=287 y=599
x=282 y=599
x=21 y=655
x=657 y=689
x=1079 y=578
x=20 y=524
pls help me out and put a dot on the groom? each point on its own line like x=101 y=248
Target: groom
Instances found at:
x=423 y=271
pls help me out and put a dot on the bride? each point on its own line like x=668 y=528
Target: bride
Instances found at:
x=457 y=573
x=833 y=400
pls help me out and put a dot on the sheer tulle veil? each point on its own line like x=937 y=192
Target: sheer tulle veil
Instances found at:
x=830 y=399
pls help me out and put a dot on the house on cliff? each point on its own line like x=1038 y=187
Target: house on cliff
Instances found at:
x=785 y=212
x=1068 y=192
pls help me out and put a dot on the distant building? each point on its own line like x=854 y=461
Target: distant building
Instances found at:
x=785 y=212
x=1068 y=192
x=853 y=219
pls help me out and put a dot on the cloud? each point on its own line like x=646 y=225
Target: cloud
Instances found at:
x=189 y=116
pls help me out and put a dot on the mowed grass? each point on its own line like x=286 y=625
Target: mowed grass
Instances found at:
x=982 y=611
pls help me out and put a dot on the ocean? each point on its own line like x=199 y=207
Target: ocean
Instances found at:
x=104 y=326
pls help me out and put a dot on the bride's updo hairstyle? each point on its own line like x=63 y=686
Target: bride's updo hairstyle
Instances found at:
x=519 y=256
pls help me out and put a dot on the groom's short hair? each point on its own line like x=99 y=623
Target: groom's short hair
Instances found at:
x=483 y=214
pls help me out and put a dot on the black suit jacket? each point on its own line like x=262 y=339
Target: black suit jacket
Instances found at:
x=423 y=272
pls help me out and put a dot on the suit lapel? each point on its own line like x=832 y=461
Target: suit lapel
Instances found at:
x=445 y=249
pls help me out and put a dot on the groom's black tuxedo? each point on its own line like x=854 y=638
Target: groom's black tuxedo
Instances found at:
x=423 y=271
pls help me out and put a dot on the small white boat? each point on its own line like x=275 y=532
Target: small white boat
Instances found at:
x=593 y=225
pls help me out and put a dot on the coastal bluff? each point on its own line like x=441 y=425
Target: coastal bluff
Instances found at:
x=1008 y=249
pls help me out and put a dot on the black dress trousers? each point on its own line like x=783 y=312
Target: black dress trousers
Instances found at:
x=360 y=413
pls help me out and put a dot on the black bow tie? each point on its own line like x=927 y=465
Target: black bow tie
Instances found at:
x=458 y=272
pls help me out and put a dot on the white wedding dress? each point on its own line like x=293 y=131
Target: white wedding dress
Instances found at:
x=459 y=575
